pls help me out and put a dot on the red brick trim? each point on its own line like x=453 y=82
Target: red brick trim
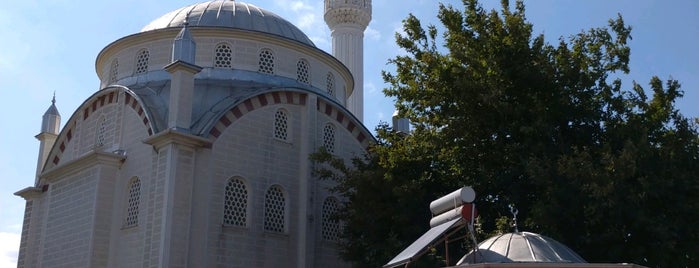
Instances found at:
x=346 y=121
x=255 y=103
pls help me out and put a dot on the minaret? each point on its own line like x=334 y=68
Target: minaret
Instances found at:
x=347 y=20
x=50 y=127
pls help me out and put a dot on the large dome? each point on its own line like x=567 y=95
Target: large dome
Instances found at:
x=521 y=247
x=230 y=14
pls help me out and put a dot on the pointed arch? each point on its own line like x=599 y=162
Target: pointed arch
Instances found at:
x=254 y=103
x=344 y=119
x=107 y=96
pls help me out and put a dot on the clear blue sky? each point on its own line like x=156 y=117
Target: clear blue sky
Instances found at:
x=51 y=45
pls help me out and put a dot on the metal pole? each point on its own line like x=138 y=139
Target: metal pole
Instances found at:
x=446 y=251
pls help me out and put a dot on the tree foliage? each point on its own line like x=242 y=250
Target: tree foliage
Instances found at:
x=611 y=172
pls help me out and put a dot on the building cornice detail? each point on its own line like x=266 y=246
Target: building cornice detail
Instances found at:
x=347 y=15
x=177 y=136
x=29 y=193
x=90 y=159
x=44 y=135
x=180 y=65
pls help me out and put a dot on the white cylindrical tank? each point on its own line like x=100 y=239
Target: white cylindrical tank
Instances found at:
x=453 y=200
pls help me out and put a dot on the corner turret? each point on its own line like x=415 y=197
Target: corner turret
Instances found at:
x=184 y=48
x=182 y=70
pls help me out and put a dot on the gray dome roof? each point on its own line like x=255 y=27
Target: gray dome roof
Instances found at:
x=230 y=14
x=521 y=247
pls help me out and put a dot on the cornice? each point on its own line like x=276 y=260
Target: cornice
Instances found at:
x=29 y=193
x=182 y=66
x=347 y=15
x=43 y=135
x=176 y=136
x=92 y=158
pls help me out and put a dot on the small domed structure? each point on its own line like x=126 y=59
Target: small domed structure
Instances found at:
x=229 y=14
x=521 y=247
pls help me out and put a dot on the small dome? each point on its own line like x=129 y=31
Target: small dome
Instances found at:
x=521 y=247
x=230 y=14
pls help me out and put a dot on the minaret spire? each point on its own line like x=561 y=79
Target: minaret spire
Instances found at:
x=51 y=120
x=50 y=127
x=347 y=20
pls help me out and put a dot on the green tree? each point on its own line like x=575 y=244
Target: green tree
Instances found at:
x=610 y=172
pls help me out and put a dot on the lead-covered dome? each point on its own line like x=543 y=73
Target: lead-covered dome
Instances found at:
x=230 y=14
x=521 y=247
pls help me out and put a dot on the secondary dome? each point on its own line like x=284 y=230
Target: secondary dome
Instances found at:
x=521 y=247
x=230 y=14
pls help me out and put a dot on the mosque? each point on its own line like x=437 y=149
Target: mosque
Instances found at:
x=194 y=150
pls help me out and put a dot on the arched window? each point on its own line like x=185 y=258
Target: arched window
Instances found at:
x=330 y=84
x=223 y=56
x=275 y=210
x=235 y=204
x=101 y=131
x=113 y=71
x=133 y=199
x=302 y=71
x=329 y=138
x=330 y=224
x=281 y=125
x=142 y=58
x=266 y=62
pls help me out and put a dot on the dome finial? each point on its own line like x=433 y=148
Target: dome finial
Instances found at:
x=514 y=212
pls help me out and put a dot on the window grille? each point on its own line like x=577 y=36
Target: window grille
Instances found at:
x=101 y=131
x=275 y=210
x=266 y=62
x=133 y=200
x=236 y=203
x=224 y=56
x=330 y=84
x=302 y=71
x=330 y=224
x=113 y=71
x=281 y=125
x=329 y=138
x=142 y=59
